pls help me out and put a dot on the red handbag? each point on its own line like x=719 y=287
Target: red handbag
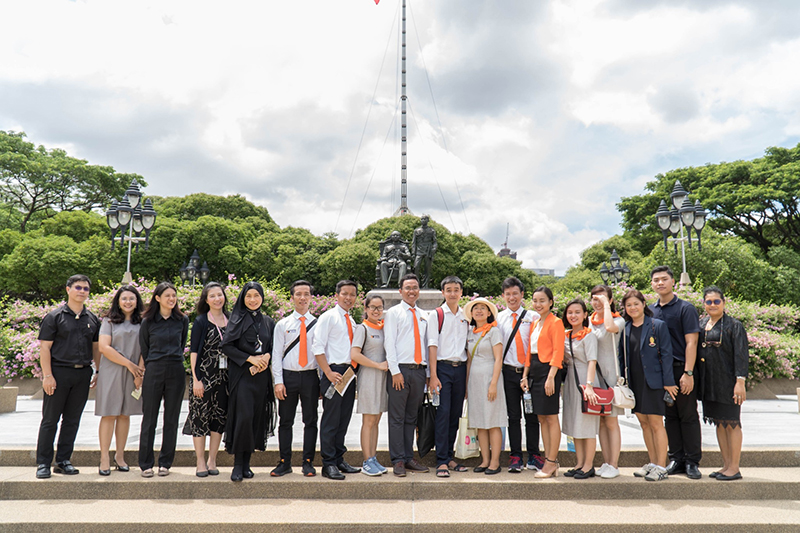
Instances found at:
x=605 y=397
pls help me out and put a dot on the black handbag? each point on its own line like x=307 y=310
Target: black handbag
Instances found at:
x=426 y=427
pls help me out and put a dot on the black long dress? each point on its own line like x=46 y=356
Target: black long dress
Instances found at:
x=251 y=403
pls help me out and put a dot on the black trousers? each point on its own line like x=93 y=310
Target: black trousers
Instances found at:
x=451 y=405
x=336 y=416
x=162 y=380
x=511 y=380
x=403 y=408
x=302 y=387
x=65 y=404
x=683 y=425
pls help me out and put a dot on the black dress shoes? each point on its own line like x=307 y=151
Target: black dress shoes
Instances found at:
x=347 y=469
x=247 y=473
x=675 y=468
x=103 y=472
x=331 y=472
x=43 y=471
x=580 y=474
x=692 y=472
x=236 y=474
x=66 y=468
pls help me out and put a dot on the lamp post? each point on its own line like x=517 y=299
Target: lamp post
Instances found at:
x=617 y=273
x=683 y=214
x=190 y=270
x=128 y=216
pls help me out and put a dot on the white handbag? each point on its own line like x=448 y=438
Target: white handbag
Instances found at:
x=623 y=395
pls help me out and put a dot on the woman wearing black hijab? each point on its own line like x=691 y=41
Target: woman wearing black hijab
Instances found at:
x=251 y=407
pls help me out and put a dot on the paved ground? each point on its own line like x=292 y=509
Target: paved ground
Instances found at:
x=766 y=423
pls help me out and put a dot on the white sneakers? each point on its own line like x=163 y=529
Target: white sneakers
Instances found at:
x=643 y=471
x=607 y=471
x=657 y=473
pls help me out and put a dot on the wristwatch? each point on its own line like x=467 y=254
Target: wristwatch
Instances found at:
x=689 y=373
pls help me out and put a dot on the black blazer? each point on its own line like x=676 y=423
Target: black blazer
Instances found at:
x=657 y=370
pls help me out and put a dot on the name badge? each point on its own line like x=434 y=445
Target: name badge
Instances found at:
x=652 y=342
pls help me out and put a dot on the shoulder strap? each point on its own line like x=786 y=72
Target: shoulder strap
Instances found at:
x=297 y=340
x=440 y=314
x=514 y=332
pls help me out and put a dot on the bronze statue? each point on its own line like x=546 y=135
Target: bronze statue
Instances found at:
x=423 y=248
x=393 y=262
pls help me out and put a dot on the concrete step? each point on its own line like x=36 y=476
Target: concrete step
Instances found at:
x=751 y=457
x=249 y=515
x=20 y=483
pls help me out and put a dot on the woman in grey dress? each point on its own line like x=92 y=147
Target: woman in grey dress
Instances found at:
x=580 y=350
x=373 y=399
x=119 y=374
x=486 y=399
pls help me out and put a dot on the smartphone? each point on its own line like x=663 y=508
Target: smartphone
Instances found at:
x=668 y=399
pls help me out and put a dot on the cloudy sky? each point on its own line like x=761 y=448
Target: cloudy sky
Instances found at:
x=550 y=111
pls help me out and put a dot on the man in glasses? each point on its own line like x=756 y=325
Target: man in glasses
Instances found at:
x=681 y=421
x=68 y=346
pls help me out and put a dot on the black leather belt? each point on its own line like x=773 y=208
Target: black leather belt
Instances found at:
x=517 y=369
x=412 y=366
x=451 y=363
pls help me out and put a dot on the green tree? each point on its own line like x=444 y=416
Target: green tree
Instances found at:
x=78 y=225
x=41 y=182
x=355 y=261
x=40 y=266
x=194 y=206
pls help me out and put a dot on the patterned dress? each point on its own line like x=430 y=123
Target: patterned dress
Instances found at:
x=209 y=413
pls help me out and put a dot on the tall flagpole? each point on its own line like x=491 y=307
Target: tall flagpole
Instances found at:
x=403 y=209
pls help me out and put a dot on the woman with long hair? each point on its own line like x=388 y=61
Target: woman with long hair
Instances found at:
x=162 y=338
x=646 y=348
x=208 y=403
x=607 y=325
x=544 y=367
x=486 y=398
x=251 y=404
x=581 y=351
x=723 y=357
x=120 y=373
x=373 y=399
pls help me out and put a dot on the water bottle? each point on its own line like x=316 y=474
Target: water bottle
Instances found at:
x=527 y=402
x=435 y=399
x=331 y=391
x=570 y=444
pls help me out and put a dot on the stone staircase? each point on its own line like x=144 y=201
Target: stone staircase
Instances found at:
x=767 y=499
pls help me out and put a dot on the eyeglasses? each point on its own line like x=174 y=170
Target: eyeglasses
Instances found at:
x=374 y=308
x=716 y=301
x=83 y=288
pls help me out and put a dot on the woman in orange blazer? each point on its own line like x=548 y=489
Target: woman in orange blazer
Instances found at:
x=544 y=364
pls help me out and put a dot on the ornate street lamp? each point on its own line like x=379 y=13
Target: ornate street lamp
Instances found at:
x=617 y=273
x=128 y=216
x=683 y=214
x=189 y=271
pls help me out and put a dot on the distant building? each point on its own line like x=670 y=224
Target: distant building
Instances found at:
x=543 y=271
x=506 y=252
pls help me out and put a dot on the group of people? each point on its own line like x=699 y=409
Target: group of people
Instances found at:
x=248 y=375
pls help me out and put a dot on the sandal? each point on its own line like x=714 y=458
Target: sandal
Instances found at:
x=460 y=468
x=147 y=473
x=443 y=471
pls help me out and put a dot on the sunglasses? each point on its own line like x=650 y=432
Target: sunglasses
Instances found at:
x=82 y=288
x=716 y=301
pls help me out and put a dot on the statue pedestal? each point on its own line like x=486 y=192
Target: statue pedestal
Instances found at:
x=429 y=299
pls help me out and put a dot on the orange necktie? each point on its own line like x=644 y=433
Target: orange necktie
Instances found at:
x=518 y=342
x=417 y=343
x=303 y=345
x=350 y=332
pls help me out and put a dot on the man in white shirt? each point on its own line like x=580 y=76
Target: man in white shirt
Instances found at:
x=515 y=349
x=447 y=362
x=294 y=372
x=333 y=339
x=405 y=329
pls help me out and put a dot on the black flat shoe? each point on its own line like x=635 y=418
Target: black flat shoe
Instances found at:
x=213 y=472
x=479 y=469
x=201 y=473
x=103 y=472
x=721 y=477
x=66 y=468
x=572 y=471
x=125 y=468
x=43 y=471
x=580 y=474
x=491 y=472
x=713 y=474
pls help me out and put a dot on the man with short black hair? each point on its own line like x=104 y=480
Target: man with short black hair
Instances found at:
x=681 y=421
x=405 y=330
x=515 y=326
x=333 y=339
x=68 y=346
x=447 y=361
x=294 y=371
